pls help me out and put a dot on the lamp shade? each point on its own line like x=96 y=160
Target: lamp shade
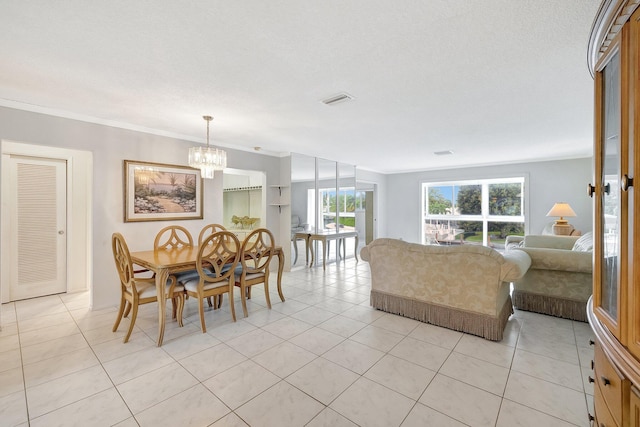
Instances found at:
x=561 y=209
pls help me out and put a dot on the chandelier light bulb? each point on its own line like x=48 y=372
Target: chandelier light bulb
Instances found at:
x=207 y=159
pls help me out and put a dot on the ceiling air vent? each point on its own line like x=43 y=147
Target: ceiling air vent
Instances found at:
x=443 y=153
x=341 y=97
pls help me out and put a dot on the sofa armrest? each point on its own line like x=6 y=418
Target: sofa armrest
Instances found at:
x=559 y=259
x=364 y=254
x=513 y=241
x=515 y=266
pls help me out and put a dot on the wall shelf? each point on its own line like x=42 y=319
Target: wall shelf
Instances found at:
x=255 y=187
x=278 y=200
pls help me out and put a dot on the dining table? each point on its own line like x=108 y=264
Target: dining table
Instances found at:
x=164 y=262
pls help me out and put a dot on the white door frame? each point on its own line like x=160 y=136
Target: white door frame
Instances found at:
x=79 y=212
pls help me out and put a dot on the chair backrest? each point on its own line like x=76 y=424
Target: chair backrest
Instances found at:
x=208 y=230
x=122 y=257
x=257 y=250
x=218 y=256
x=171 y=237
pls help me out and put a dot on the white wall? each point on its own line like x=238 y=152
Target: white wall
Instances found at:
x=548 y=183
x=110 y=146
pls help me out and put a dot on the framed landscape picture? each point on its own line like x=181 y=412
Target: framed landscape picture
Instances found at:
x=160 y=192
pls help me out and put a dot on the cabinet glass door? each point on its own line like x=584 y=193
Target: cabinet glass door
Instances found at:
x=633 y=202
x=608 y=210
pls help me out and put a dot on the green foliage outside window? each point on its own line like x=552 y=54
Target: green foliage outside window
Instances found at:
x=470 y=199
x=438 y=204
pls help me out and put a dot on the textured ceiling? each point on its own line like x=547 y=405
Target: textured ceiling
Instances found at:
x=494 y=81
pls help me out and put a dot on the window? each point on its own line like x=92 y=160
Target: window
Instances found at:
x=477 y=212
x=334 y=207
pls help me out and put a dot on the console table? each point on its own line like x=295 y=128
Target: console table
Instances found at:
x=325 y=237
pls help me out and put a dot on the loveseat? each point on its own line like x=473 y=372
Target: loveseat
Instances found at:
x=462 y=287
x=559 y=281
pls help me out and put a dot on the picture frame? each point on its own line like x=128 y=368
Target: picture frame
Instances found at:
x=161 y=192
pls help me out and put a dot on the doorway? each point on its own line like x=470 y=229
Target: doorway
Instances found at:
x=46 y=244
x=365 y=212
x=369 y=218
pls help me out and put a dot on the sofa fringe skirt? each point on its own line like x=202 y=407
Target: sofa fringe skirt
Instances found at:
x=553 y=306
x=489 y=327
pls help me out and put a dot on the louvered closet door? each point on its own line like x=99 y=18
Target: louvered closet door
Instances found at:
x=38 y=227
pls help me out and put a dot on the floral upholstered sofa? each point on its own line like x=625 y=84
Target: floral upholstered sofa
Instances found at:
x=559 y=281
x=461 y=287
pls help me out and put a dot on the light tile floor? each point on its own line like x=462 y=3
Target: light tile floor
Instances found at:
x=322 y=358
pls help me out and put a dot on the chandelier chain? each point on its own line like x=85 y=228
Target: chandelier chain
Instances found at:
x=208 y=119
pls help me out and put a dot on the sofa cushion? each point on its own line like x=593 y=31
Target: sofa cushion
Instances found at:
x=549 y=242
x=584 y=243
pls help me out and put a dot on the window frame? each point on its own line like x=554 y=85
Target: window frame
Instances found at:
x=484 y=217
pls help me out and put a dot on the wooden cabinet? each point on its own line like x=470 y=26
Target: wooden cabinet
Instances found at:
x=611 y=385
x=634 y=408
x=633 y=335
x=604 y=416
x=614 y=312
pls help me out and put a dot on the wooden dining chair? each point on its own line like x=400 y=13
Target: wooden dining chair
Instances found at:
x=208 y=230
x=173 y=236
x=140 y=290
x=257 y=251
x=216 y=263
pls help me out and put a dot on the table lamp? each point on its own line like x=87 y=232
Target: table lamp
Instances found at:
x=561 y=226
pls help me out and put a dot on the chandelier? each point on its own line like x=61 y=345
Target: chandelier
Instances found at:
x=207 y=159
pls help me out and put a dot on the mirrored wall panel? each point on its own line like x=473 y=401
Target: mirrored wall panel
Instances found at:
x=323 y=211
x=327 y=183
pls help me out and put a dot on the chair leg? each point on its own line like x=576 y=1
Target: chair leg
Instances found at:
x=127 y=309
x=201 y=310
x=174 y=307
x=120 y=311
x=280 y=291
x=295 y=249
x=180 y=309
x=134 y=315
x=266 y=293
x=219 y=297
x=249 y=292
x=231 y=301
x=209 y=301
x=243 y=295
